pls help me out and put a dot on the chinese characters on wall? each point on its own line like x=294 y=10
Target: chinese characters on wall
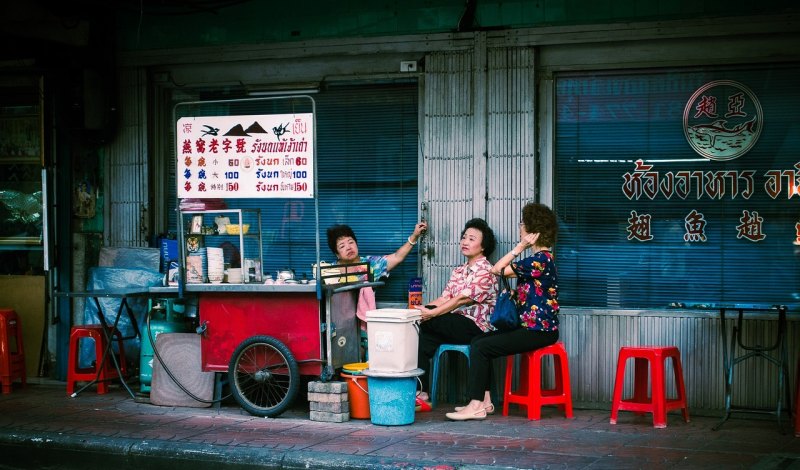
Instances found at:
x=715 y=185
x=259 y=156
x=722 y=120
x=718 y=133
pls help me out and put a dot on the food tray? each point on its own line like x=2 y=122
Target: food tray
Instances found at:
x=233 y=229
x=343 y=274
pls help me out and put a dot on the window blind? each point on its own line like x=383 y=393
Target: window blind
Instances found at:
x=605 y=123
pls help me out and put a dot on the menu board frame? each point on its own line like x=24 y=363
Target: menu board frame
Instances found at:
x=246 y=156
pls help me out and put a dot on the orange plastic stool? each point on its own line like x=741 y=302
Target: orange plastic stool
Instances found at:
x=658 y=403
x=12 y=352
x=75 y=373
x=530 y=392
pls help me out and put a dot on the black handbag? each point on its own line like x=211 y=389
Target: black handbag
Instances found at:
x=504 y=316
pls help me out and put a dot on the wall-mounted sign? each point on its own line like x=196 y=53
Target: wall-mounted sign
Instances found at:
x=255 y=156
x=667 y=182
x=722 y=120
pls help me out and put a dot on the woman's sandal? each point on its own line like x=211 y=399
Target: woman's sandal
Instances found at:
x=466 y=415
x=422 y=406
x=489 y=409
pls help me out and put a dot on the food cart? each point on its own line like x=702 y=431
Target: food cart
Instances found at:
x=265 y=333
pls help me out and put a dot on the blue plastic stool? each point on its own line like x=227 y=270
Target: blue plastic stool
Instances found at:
x=462 y=348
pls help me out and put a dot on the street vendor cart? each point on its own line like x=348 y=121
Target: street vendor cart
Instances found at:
x=264 y=333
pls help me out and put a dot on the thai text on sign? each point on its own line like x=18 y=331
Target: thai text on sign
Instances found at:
x=254 y=156
x=643 y=182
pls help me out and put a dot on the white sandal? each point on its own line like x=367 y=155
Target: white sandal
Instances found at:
x=466 y=415
x=489 y=409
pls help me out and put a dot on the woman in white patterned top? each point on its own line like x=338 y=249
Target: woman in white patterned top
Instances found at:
x=462 y=311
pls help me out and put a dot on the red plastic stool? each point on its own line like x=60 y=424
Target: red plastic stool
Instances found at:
x=75 y=373
x=658 y=404
x=530 y=392
x=12 y=352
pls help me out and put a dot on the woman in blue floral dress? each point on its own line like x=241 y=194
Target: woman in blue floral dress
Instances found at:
x=537 y=304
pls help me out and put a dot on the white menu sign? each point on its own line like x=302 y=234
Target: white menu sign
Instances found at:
x=260 y=156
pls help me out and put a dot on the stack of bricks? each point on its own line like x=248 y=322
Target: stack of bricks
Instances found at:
x=329 y=401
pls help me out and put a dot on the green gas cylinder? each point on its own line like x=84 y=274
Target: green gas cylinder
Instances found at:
x=163 y=319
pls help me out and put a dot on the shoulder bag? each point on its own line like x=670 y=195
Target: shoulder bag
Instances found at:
x=504 y=316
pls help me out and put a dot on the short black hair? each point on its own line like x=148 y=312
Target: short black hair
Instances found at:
x=489 y=243
x=338 y=231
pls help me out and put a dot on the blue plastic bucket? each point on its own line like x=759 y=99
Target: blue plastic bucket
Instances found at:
x=392 y=396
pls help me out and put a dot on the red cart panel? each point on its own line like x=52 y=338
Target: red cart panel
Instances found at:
x=291 y=317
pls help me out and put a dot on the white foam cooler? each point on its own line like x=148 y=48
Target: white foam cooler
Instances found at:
x=392 y=339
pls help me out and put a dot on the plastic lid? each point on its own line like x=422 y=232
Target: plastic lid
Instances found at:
x=354 y=367
x=394 y=375
x=395 y=313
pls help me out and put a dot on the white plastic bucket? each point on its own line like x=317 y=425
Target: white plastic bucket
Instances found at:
x=392 y=339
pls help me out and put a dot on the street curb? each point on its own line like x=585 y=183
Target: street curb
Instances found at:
x=29 y=450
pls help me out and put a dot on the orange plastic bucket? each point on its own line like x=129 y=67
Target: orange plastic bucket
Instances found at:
x=358 y=395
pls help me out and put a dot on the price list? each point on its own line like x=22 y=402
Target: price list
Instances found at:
x=251 y=156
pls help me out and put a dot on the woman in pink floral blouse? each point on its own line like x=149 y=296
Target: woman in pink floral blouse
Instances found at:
x=462 y=311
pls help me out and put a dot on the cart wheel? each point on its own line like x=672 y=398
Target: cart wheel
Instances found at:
x=263 y=375
x=327 y=373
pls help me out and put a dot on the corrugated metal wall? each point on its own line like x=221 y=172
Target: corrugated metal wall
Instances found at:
x=479 y=141
x=511 y=140
x=479 y=158
x=127 y=182
x=593 y=340
x=449 y=165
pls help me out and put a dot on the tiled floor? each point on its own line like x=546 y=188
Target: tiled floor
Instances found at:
x=41 y=427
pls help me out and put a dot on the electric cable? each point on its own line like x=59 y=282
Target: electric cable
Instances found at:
x=169 y=372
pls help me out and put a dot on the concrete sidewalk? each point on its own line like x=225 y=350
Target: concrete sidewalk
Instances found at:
x=40 y=427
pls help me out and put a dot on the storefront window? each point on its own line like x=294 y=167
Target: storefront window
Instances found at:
x=21 y=161
x=678 y=187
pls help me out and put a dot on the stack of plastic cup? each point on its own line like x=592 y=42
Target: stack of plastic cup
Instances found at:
x=216 y=266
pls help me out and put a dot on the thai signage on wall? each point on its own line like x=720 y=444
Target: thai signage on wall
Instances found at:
x=722 y=121
x=678 y=186
x=249 y=156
